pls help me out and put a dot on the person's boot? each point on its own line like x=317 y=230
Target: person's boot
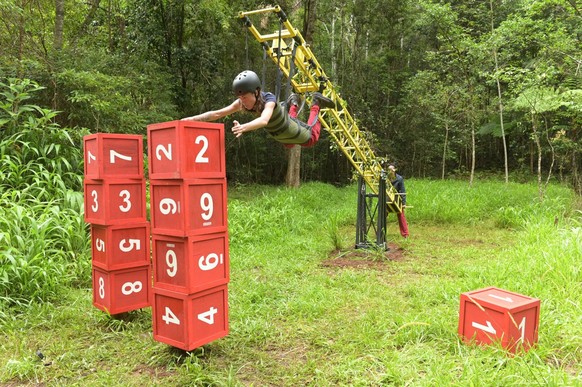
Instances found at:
x=294 y=99
x=321 y=101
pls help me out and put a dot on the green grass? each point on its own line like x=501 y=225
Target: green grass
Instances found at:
x=297 y=321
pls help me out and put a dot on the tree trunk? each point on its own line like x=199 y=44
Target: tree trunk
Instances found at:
x=500 y=101
x=536 y=139
x=59 y=22
x=445 y=148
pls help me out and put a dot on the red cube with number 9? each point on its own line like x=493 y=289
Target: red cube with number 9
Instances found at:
x=120 y=291
x=186 y=149
x=188 y=207
x=190 y=321
x=190 y=264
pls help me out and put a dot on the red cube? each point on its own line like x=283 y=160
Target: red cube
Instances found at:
x=120 y=291
x=188 y=207
x=190 y=321
x=120 y=247
x=190 y=264
x=113 y=155
x=115 y=201
x=495 y=315
x=186 y=149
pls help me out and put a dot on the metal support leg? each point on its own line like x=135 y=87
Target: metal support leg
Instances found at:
x=369 y=217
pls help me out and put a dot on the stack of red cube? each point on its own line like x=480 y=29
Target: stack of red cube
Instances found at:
x=115 y=206
x=189 y=232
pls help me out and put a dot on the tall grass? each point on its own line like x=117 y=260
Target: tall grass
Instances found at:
x=43 y=239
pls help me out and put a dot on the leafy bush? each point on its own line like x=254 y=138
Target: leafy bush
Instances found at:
x=43 y=239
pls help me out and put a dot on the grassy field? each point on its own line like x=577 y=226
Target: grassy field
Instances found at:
x=306 y=310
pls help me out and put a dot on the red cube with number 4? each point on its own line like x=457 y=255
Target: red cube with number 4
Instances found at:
x=186 y=149
x=113 y=155
x=120 y=291
x=188 y=207
x=115 y=201
x=495 y=315
x=120 y=247
x=190 y=264
x=190 y=321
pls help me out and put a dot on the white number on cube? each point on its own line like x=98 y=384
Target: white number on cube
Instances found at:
x=168 y=206
x=209 y=262
x=131 y=244
x=208 y=316
x=166 y=151
x=170 y=318
x=200 y=158
x=207 y=206
x=172 y=262
x=125 y=195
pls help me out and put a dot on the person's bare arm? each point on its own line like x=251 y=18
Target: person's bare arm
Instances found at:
x=214 y=115
x=259 y=122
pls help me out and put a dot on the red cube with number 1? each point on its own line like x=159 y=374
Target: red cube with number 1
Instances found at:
x=186 y=149
x=495 y=315
x=113 y=155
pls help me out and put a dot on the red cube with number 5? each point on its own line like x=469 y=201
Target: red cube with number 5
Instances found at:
x=115 y=201
x=120 y=291
x=190 y=321
x=120 y=247
x=113 y=155
x=188 y=207
x=186 y=149
x=190 y=264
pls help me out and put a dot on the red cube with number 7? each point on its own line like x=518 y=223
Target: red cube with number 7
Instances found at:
x=495 y=315
x=110 y=155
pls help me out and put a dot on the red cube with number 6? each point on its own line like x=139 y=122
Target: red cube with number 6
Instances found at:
x=186 y=149
x=188 y=207
x=115 y=201
x=190 y=264
x=190 y=321
x=120 y=291
x=110 y=155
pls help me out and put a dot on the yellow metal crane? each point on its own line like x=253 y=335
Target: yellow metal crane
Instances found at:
x=288 y=49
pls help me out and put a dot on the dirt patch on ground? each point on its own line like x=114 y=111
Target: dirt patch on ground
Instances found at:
x=364 y=258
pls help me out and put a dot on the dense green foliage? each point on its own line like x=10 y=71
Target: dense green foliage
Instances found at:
x=426 y=79
x=43 y=239
x=303 y=313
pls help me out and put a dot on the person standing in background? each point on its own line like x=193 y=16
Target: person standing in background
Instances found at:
x=398 y=184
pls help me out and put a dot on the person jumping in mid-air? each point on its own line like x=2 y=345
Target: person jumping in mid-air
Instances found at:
x=283 y=127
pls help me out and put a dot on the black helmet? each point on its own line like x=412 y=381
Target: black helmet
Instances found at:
x=246 y=82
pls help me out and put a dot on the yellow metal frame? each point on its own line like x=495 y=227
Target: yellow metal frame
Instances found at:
x=309 y=77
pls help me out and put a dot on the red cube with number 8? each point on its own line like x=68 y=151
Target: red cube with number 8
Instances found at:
x=190 y=321
x=186 y=149
x=120 y=291
x=190 y=264
x=188 y=207
x=113 y=155
x=120 y=247
x=115 y=201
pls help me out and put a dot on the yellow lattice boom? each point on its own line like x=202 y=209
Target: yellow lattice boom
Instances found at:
x=308 y=76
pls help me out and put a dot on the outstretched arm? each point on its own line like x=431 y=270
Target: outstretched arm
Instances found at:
x=214 y=115
x=259 y=122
